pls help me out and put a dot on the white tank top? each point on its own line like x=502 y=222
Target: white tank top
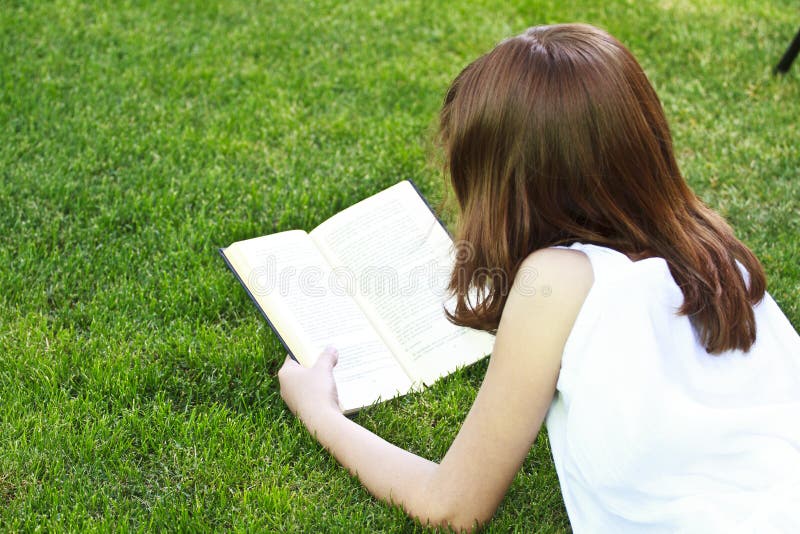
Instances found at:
x=649 y=433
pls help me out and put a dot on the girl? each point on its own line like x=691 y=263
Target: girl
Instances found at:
x=669 y=379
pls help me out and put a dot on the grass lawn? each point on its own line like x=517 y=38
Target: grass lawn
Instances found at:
x=137 y=381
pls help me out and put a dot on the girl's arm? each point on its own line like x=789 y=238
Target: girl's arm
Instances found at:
x=467 y=486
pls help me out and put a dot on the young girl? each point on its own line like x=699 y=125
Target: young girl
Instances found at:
x=669 y=379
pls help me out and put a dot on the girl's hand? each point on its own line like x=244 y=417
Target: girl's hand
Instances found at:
x=310 y=391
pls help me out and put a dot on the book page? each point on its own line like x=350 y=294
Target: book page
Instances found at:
x=291 y=281
x=393 y=255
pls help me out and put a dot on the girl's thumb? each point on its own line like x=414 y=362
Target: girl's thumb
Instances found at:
x=329 y=356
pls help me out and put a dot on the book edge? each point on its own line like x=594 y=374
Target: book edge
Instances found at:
x=430 y=208
x=258 y=306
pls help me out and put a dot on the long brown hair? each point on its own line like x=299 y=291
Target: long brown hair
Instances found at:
x=556 y=136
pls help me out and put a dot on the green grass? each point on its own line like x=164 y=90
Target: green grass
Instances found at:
x=137 y=382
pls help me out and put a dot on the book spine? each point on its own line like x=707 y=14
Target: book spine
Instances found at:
x=252 y=297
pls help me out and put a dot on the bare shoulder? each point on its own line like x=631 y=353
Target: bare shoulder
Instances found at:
x=552 y=272
x=545 y=299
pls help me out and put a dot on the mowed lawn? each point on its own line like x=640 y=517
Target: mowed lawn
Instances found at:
x=137 y=381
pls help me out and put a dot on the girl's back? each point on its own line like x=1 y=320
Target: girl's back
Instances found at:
x=650 y=432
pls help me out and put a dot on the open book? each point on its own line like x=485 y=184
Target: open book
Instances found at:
x=371 y=281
